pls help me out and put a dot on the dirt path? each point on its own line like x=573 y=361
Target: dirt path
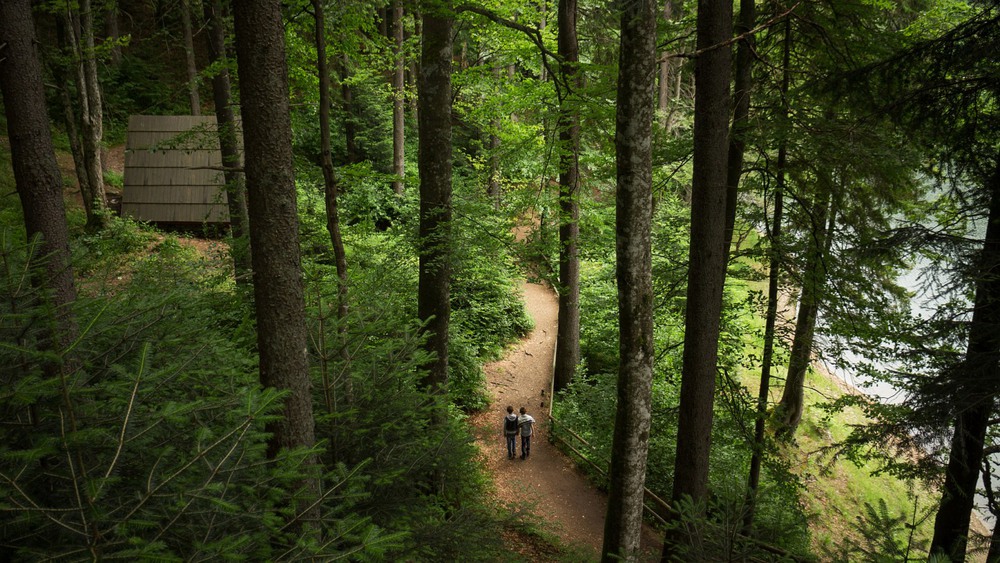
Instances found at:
x=547 y=483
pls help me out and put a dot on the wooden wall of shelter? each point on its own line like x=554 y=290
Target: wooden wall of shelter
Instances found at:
x=173 y=170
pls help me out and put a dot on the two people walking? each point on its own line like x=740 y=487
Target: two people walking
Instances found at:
x=512 y=426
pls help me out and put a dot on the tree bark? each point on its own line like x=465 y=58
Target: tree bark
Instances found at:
x=741 y=114
x=92 y=118
x=398 y=99
x=434 y=163
x=993 y=555
x=976 y=377
x=707 y=259
x=634 y=216
x=771 y=317
x=192 y=66
x=347 y=97
x=568 y=338
x=543 y=74
x=111 y=31
x=663 y=86
x=72 y=27
x=278 y=286
x=69 y=113
x=415 y=64
x=493 y=185
x=36 y=174
x=236 y=194
x=330 y=183
x=791 y=407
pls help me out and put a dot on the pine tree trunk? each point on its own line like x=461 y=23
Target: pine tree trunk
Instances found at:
x=330 y=184
x=568 y=338
x=278 y=291
x=415 y=65
x=543 y=74
x=741 y=115
x=72 y=48
x=634 y=216
x=493 y=186
x=663 y=86
x=791 y=407
x=707 y=261
x=771 y=317
x=398 y=100
x=93 y=119
x=192 y=66
x=111 y=31
x=68 y=111
x=993 y=556
x=36 y=174
x=976 y=378
x=347 y=97
x=434 y=163
x=236 y=194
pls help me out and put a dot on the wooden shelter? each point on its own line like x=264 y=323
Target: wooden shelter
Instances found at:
x=173 y=170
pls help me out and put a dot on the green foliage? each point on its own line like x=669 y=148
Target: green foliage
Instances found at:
x=152 y=442
x=711 y=532
x=109 y=247
x=886 y=536
x=588 y=405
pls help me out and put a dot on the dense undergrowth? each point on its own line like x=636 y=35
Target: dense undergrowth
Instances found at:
x=153 y=445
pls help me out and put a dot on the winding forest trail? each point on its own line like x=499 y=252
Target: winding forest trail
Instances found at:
x=547 y=485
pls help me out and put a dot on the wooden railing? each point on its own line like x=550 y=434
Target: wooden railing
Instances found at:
x=653 y=505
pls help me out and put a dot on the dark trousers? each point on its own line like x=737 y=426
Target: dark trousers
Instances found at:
x=511 y=445
x=525 y=446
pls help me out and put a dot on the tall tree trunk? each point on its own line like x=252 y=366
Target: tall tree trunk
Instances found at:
x=330 y=185
x=542 y=13
x=993 y=555
x=633 y=219
x=398 y=99
x=415 y=64
x=382 y=16
x=74 y=51
x=278 y=291
x=192 y=66
x=434 y=164
x=976 y=377
x=347 y=97
x=791 y=407
x=36 y=174
x=741 y=114
x=68 y=111
x=111 y=31
x=568 y=338
x=93 y=118
x=493 y=185
x=707 y=259
x=663 y=86
x=771 y=317
x=236 y=195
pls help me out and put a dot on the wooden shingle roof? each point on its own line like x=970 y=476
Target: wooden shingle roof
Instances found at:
x=173 y=170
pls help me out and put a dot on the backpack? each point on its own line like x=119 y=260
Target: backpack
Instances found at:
x=509 y=426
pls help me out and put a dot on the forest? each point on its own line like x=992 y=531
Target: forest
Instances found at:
x=772 y=228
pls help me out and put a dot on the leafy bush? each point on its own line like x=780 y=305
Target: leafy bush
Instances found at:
x=108 y=248
x=114 y=179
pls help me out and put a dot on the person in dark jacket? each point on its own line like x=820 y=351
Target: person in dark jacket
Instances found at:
x=510 y=428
